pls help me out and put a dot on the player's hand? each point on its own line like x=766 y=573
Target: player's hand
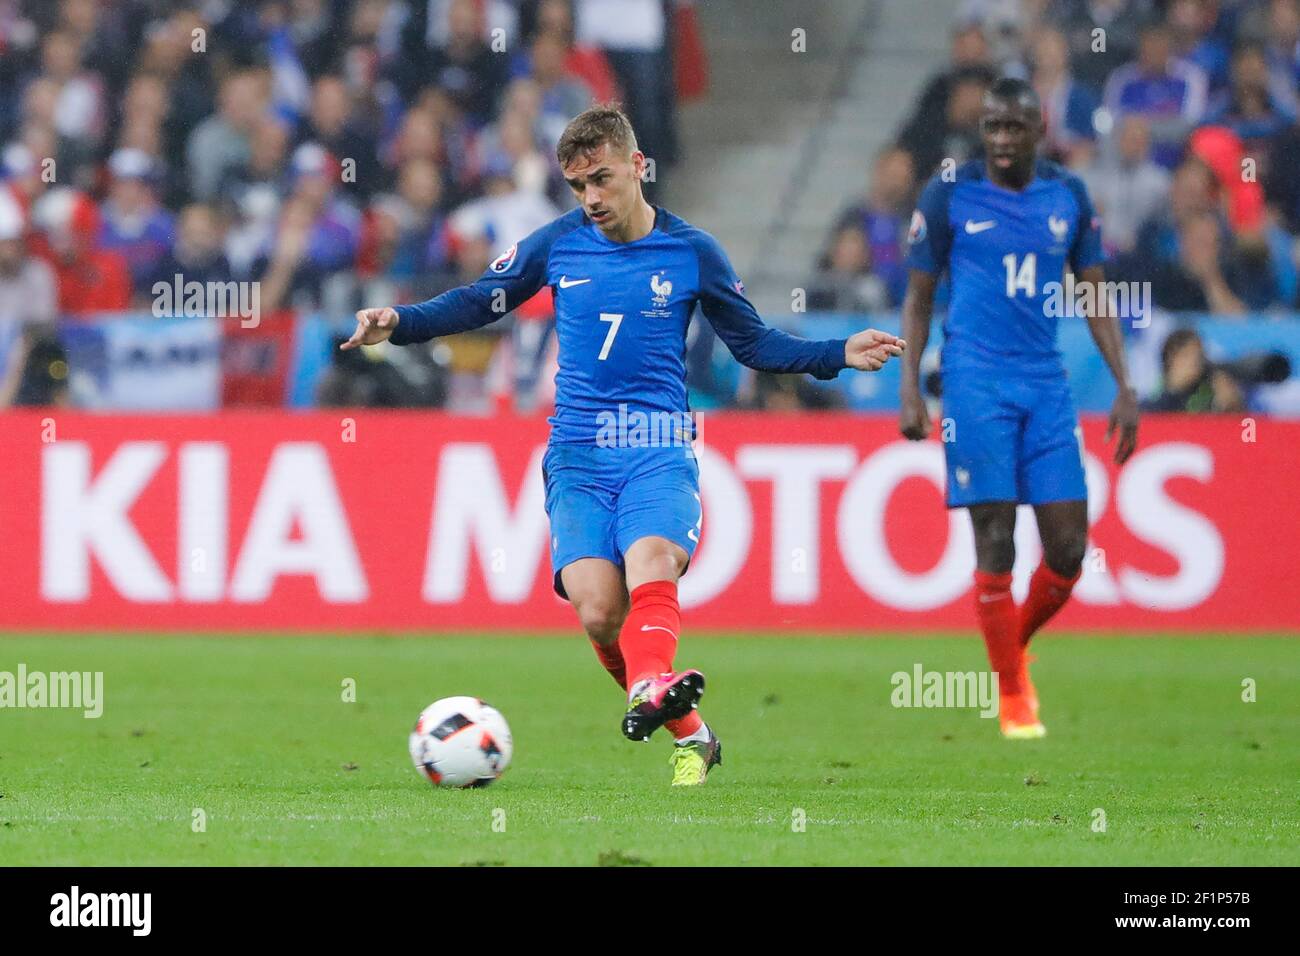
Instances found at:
x=373 y=326
x=914 y=417
x=1124 y=419
x=869 y=351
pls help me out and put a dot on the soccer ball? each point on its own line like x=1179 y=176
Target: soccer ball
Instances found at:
x=461 y=742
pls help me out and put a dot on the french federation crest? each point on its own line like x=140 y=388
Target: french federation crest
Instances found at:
x=1060 y=227
x=662 y=289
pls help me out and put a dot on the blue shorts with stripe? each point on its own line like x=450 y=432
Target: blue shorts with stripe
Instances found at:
x=1009 y=438
x=601 y=500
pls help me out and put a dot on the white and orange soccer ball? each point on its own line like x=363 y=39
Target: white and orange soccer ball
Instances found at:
x=461 y=742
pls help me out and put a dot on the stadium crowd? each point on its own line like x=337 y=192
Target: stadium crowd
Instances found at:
x=335 y=151
x=341 y=153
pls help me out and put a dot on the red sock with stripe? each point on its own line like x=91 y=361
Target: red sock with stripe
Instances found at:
x=1048 y=592
x=611 y=658
x=1000 y=624
x=649 y=635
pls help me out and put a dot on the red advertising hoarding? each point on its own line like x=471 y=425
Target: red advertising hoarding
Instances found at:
x=415 y=521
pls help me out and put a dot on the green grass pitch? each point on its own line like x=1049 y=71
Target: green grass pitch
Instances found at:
x=253 y=731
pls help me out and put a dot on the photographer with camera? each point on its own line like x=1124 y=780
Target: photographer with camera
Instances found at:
x=1191 y=383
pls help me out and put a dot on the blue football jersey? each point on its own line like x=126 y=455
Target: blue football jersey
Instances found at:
x=1004 y=251
x=621 y=310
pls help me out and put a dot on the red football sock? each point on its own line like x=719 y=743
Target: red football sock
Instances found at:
x=611 y=658
x=649 y=635
x=685 y=726
x=1000 y=624
x=1048 y=591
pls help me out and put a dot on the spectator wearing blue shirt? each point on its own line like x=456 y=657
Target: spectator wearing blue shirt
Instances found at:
x=133 y=221
x=1169 y=92
x=1067 y=104
x=883 y=216
x=1283 y=34
x=1253 y=107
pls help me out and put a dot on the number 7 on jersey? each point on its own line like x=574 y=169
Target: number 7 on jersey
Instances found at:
x=615 y=319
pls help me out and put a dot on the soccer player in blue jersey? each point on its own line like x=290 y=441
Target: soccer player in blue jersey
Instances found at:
x=1005 y=228
x=624 y=502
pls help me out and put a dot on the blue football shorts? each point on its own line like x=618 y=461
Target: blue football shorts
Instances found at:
x=1010 y=438
x=601 y=500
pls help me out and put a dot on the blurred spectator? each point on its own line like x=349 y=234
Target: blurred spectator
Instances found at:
x=1252 y=107
x=407 y=238
x=1126 y=186
x=79 y=112
x=252 y=193
x=924 y=132
x=1189 y=382
x=562 y=95
x=1282 y=185
x=1006 y=24
x=505 y=212
x=956 y=134
x=460 y=62
x=222 y=142
x=27 y=292
x=1102 y=34
x=23 y=172
x=198 y=254
x=1193 y=38
x=1282 y=35
x=319 y=232
x=845 y=282
x=330 y=125
x=584 y=62
x=1170 y=93
x=883 y=217
x=89 y=279
x=1191 y=192
x=169 y=55
x=144 y=111
x=1067 y=104
x=134 y=223
x=1201 y=278
x=634 y=36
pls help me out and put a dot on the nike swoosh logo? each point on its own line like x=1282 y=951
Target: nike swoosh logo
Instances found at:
x=975 y=228
x=566 y=282
x=656 y=627
x=989 y=598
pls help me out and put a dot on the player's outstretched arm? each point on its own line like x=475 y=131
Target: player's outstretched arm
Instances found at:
x=459 y=310
x=765 y=349
x=513 y=278
x=1110 y=342
x=918 y=309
